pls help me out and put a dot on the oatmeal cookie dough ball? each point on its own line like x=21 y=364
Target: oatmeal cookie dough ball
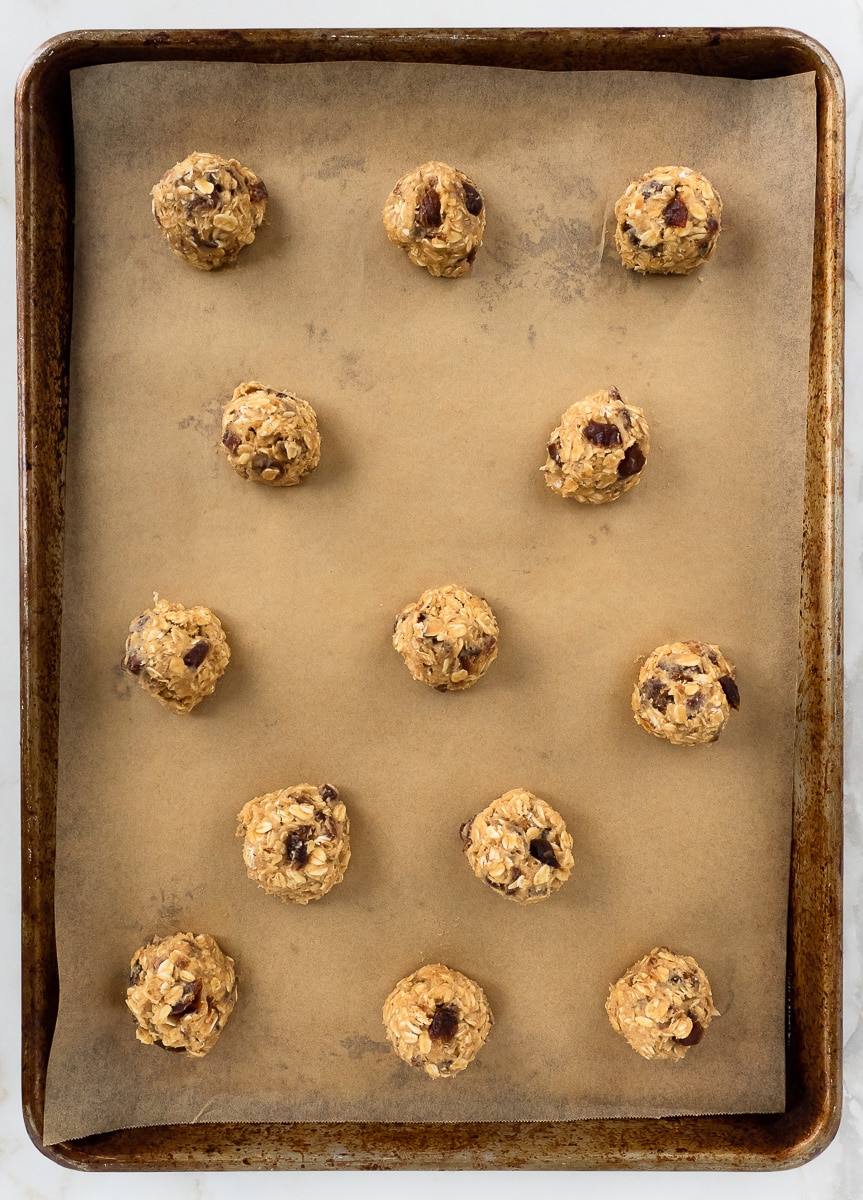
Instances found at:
x=437 y=1019
x=296 y=841
x=437 y=215
x=177 y=654
x=662 y=1005
x=448 y=638
x=685 y=693
x=519 y=846
x=269 y=436
x=667 y=221
x=598 y=450
x=208 y=208
x=181 y=992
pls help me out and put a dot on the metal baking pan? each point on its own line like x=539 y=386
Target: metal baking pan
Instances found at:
x=45 y=211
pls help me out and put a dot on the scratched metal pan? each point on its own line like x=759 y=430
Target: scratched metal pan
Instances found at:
x=45 y=202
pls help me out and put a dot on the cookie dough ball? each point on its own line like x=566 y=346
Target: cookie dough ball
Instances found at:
x=519 y=846
x=667 y=222
x=269 y=436
x=448 y=639
x=181 y=992
x=208 y=208
x=437 y=1019
x=598 y=450
x=685 y=693
x=662 y=1005
x=437 y=215
x=295 y=841
x=177 y=654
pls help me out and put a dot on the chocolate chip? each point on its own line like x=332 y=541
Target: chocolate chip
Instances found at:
x=296 y=847
x=258 y=191
x=136 y=973
x=199 y=203
x=328 y=793
x=614 y=394
x=601 y=434
x=674 y=977
x=472 y=199
x=695 y=703
x=678 y=673
x=712 y=225
x=428 y=210
x=675 y=213
x=632 y=461
x=651 y=187
x=261 y=461
x=694 y=1036
x=542 y=849
x=732 y=692
x=196 y=655
x=202 y=243
x=653 y=692
x=441 y=687
x=444 y=1023
x=133 y=664
x=231 y=440
x=188 y=1000
x=471 y=256
x=554 y=451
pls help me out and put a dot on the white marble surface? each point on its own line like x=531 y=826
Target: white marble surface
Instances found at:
x=838 y=24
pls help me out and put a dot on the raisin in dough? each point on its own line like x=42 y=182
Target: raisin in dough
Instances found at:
x=437 y=1019
x=685 y=693
x=662 y=1006
x=181 y=992
x=177 y=654
x=598 y=450
x=208 y=208
x=448 y=638
x=667 y=221
x=519 y=846
x=437 y=215
x=295 y=841
x=269 y=436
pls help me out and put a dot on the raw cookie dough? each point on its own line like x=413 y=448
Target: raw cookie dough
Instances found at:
x=296 y=842
x=598 y=450
x=177 y=654
x=269 y=436
x=437 y=1019
x=181 y=992
x=685 y=693
x=667 y=221
x=209 y=207
x=448 y=638
x=437 y=215
x=519 y=846
x=662 y=1005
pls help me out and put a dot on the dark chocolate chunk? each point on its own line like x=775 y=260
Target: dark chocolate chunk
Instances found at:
x=554 y=451
x=428 y=210
x=694 y=1036
x=444 y=1023
x=542 y=849
x=651 y=187
x=632 y=461
x=200 y=203
x=464 y=830
x=133 y=664
x=601 y=434
x=231 y=440
x=732 y=692
x=675 y=214
x=471 y=256
x=712 y=225
x=328 y=793
x=196 y=655
x=472 y=199
x=136 y=973
x=695 y=703
x=261 y=461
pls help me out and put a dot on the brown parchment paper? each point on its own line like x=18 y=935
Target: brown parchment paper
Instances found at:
x=435 y=400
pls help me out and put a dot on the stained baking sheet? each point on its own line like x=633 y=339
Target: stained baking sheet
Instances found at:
x=435 y=399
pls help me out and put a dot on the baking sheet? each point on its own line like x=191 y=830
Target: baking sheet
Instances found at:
x=435 y=399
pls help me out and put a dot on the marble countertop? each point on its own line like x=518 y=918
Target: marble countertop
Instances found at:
x=838 y=25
